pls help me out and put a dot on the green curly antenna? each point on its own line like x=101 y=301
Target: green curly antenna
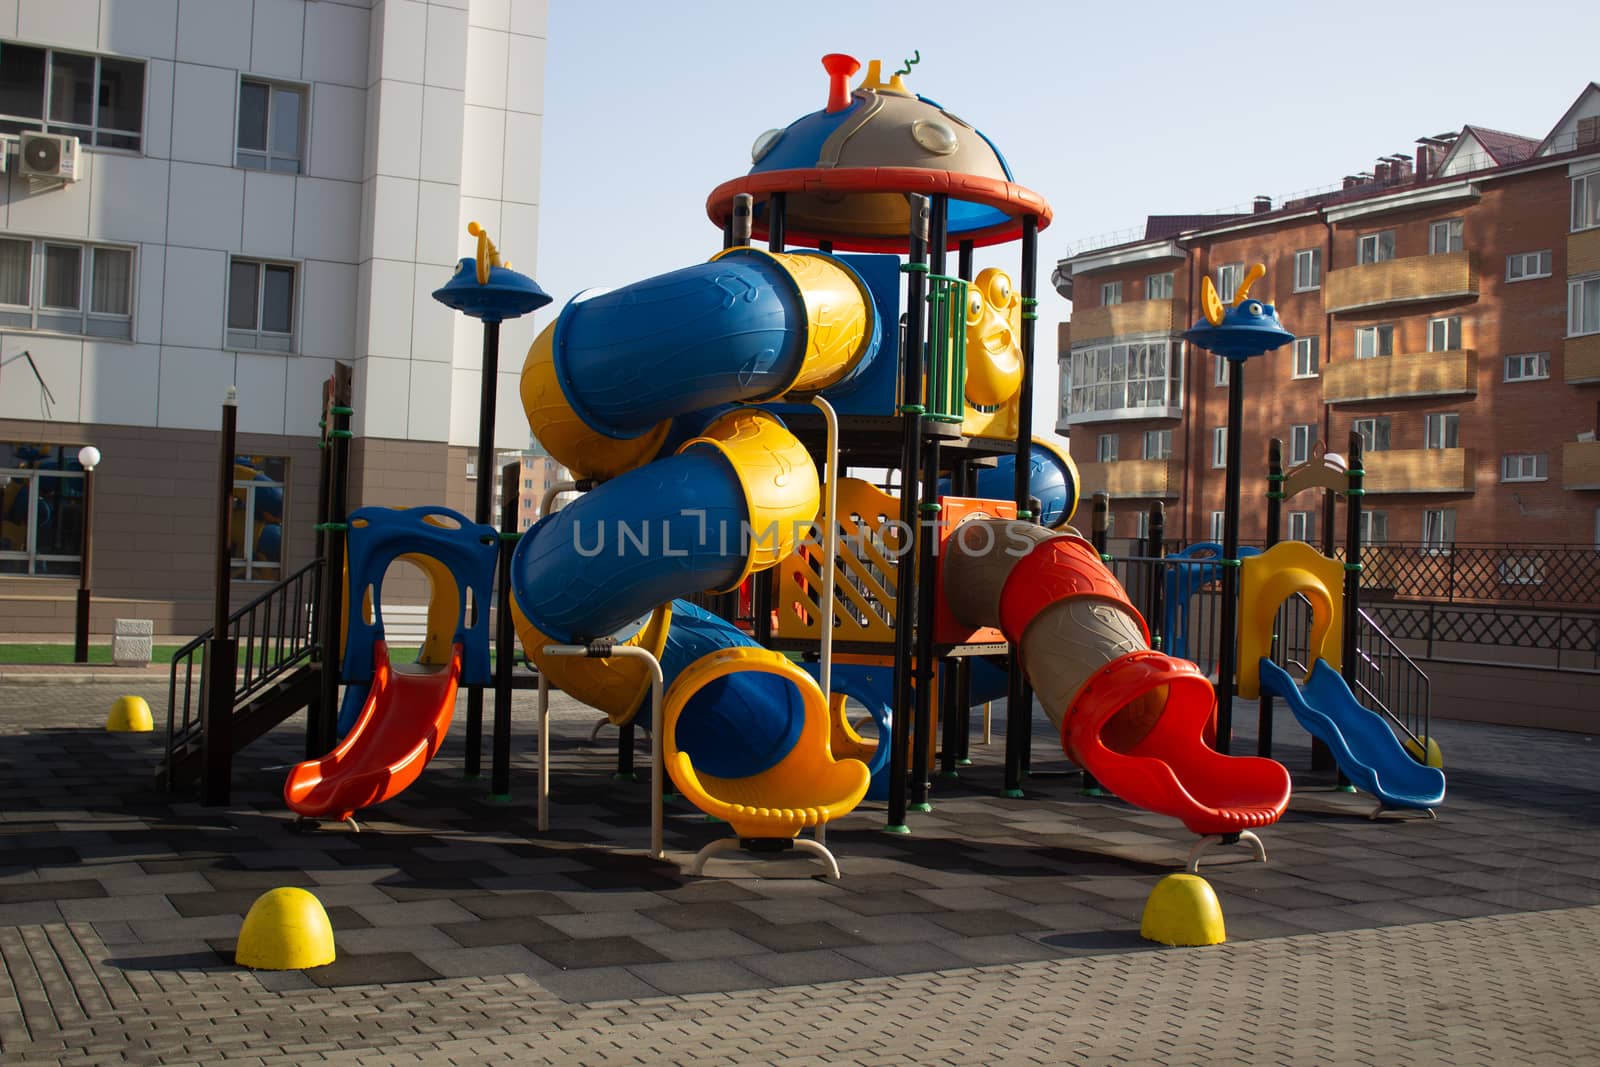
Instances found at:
x=916 y=57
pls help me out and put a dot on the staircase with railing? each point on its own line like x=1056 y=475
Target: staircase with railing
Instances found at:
x=276 y=675
x=1387 y=680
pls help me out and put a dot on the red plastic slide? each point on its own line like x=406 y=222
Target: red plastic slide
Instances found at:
x=1140 y=724
x=401 y=727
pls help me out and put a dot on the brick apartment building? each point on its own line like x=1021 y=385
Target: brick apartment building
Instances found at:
x=1446 y=305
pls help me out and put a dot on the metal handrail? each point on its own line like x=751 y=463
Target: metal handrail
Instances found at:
x=275 y=632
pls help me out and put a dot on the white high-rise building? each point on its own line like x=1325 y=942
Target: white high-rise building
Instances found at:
x=240 y=193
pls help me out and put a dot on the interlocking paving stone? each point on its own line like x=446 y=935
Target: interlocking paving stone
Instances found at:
x=596 y=952
x=699 y=976
x=510 y=930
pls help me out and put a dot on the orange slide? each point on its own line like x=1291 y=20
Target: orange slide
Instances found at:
x=1138 y=720
x=401 y=727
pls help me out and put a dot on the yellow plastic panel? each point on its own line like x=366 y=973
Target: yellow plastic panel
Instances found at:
x=1265 y=582
x=865 y=579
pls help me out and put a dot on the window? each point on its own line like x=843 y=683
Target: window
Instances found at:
x=527 y=483
x=1374 y=433
x=1441 y=431
x=272 y=123
x=41 y=510
x=1307 y=269
x=1158 y=286
x=66 y=288
x=1444 y=236
x=1106 y=452
x=1583 y=304
x=1527 y=265
x=1157 y=444
x=99 y=100
x=1374 y=341
x=1532 y=366
x=1522 y=570
x=1216 y=526
x=1307 y=356
x=1219 y=373
x=261 y=305
x=1228 y=279
x=256 y=537
x=1444 y=335
x=1374 y=527
x=1300 y=438
x=1586 y=201
x=1122 y=381
x=1219 y=446
x=1375 y=247
x=1525 y=467
x=1141 y=524
x=1438 y=530
x=1110 y=293
x=1300 y=526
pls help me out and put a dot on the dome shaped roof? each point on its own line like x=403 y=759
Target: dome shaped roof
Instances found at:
x=845 y=170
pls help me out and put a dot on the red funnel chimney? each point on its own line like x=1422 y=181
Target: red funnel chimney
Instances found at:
x=839 y=67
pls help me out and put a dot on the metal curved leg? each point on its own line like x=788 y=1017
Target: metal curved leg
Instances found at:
x=1246 y=836
x=350 y=821
x=594 y=735
x=721 y=844
x=1193 y=863
x=805 y=844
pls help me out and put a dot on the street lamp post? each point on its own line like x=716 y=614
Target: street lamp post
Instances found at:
x=88 y=459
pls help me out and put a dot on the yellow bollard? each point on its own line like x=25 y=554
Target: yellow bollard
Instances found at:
x=129 y=715
x=1433 y=758
x=286 y=930
x=1183 y=910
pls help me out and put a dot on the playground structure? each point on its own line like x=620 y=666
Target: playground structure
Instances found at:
x=718 y=420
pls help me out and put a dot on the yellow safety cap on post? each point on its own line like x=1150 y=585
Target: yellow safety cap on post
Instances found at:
x=1433 y=758
x=1183 y=910
x=286 y=930
x=129 y=715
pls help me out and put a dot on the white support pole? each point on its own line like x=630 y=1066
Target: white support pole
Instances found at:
x=831 y=548
x=551 y=493
x=830 y=563
x=544 y=752
x=657 y=762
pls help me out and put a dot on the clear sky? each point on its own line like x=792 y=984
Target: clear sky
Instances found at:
x=1112 y=111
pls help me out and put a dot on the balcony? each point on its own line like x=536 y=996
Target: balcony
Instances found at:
x=1580 y=465
x=1419 y=470
x=1396 y=377
x=1410 y=280
x=1144 y=479
x=1580 y=360
x=1120 y=320
x=1583 y=252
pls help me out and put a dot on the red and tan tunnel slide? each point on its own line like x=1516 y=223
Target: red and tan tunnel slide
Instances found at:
x=1135 y=719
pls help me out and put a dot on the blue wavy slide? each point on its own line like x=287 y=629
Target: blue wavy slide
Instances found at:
x=1367 y=750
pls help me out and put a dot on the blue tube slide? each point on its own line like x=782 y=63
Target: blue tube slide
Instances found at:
x=730 y=330
x=665 y=530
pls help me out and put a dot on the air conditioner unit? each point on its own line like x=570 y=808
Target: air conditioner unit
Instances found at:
x=48 y=155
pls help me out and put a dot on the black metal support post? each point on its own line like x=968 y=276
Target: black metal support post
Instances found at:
x=1228 y=639
x=905 y=613
x=1274 y=530
x=322 y=724
x=927 y=534
x=80 y=644
x=490 y=373
x=1019 y=698
x=221 y=651
x=1356 y=474
x=505 y=649
x=1154 y=542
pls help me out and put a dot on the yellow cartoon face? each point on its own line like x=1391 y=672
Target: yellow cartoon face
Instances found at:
x=994 y=329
